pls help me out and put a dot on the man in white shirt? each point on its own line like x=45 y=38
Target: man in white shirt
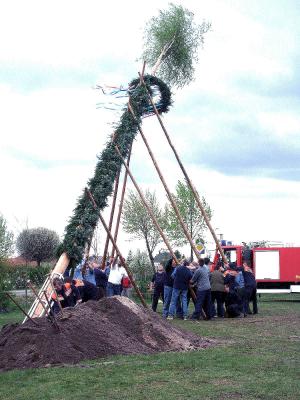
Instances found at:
x=117 y=272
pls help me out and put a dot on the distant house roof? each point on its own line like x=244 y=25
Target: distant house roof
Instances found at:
x=16 y=261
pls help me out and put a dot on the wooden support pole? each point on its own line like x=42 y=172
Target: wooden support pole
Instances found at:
x=197 y=198
x=142 y=74
x=174 y=205
x=111 y=218
x=86 y=256
x=117 y=249
x=21 y=308
x=121 y=201
x=152 y=216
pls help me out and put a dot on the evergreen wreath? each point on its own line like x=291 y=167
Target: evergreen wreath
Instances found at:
x=80 y=229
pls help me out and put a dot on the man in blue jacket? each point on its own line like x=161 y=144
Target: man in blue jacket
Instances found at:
x=182 y=276
x=201 y=279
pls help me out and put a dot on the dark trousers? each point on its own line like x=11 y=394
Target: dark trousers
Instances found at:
x=203 y=301
x=113 y=290
x=218 y=297
x=158 y=292
x=243 y=296
x=251 y=296
x=102 y=291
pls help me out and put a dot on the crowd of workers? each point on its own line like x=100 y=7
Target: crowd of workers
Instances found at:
x=224 y=291
x=90 y=282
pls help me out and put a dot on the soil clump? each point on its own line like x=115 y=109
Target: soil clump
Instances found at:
x=114 y=325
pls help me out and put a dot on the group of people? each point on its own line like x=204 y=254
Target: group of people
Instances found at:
x=91 y=282
x=223 y=291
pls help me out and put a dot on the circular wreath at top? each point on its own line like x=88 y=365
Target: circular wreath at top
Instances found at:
x=159 y=91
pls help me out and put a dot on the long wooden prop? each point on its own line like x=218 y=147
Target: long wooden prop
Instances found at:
x=21 y=308
x=150 y=212
x=121 y=202
x=111 y=218
x=197 y=198
x=117 y=249
x=152 y=216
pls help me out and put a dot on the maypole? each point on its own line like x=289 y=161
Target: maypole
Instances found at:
x=171 y=46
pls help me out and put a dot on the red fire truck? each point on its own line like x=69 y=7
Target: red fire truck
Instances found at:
x=276 y=269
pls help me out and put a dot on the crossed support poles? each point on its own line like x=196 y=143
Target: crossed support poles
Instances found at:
x=169 y=194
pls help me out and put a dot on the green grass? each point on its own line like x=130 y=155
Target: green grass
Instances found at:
x=257 y=358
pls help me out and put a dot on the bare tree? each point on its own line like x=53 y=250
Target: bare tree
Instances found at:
x=137 y=222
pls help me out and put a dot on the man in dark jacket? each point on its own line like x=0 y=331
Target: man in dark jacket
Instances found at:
x=157 y=284
x=233 y=301
x=101 y=279
x=88 y=291
x=217 y=291
x=168 y=286
x=250 y=288
x=182 y=276
x=67 y=294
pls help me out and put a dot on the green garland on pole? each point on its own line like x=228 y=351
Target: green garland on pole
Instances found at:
x=79 y=231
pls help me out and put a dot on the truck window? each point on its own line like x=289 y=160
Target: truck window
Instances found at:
x=267 y=264
x=231 y=255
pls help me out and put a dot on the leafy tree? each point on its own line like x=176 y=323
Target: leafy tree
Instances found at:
x=6 y=249
x=190 y=214
x=129 y=256
x=137 y=222
x=6 y=239
x=171 y=44
x=37 y=244
x=3 y=287
x=140 y=266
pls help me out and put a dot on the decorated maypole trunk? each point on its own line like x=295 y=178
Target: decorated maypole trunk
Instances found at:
x=80 y=228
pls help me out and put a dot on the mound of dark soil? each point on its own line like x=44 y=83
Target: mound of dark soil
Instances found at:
x=114 y=325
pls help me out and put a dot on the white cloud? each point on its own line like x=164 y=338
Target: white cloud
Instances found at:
x=282 y=124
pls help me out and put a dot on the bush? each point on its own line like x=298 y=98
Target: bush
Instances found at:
x=16 y=277
x=3 y=287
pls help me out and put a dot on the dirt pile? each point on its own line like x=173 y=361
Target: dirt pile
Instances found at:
x=114 y=325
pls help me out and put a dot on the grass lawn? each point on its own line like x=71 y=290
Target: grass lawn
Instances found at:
x=258 y=358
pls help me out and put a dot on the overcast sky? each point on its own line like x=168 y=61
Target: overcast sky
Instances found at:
x=236 y=127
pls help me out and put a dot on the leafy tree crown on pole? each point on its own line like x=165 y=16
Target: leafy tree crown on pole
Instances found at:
x=171 y=45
